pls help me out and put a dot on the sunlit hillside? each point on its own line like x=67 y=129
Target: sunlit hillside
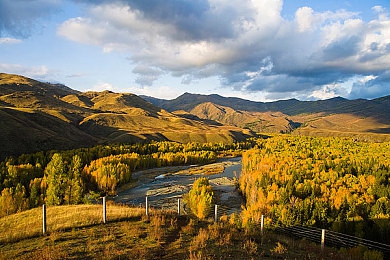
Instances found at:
x=361 y=118
x=38 y=116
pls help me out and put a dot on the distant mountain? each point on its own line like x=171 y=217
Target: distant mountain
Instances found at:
x=189 y=101
x=270 y=122
x=37 y=116
x=361 y=118
x=289 y=107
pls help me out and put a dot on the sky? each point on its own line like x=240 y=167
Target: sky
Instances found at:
x=261 y=50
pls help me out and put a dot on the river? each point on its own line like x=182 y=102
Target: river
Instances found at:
x=163 y=186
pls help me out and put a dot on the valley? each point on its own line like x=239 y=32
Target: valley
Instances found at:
x=319 y=164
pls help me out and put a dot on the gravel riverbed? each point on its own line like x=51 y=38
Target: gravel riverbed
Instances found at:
x=165 y=185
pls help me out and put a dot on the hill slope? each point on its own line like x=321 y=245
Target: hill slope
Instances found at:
x=271 y=122
x=37 y=116
x=364 y=119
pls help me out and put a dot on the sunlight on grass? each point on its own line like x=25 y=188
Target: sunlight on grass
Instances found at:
x=29 y=223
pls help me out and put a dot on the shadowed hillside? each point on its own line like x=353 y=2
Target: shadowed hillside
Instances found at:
x=363 y=119
x=37 y=116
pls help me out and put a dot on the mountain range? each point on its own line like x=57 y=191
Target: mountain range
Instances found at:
x=360 y=118
x=38 y=116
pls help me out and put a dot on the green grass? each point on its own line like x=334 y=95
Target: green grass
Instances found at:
x=77 y=232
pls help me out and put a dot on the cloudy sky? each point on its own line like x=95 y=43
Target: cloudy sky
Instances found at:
x=260 y=50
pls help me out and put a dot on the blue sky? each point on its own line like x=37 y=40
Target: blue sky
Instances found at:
x=261 y=50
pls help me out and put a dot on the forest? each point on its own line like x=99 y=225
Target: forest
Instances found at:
x=83 y=175
x=333 y=183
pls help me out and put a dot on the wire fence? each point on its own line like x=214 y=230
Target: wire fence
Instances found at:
x=216 y=211
x=324 y=237
x=333 y=239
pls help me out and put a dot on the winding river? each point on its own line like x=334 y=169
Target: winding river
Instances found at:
x=163 y=186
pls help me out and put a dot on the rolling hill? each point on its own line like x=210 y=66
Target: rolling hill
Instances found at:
x=37 y=116
x=270 y=122
x=362 y=119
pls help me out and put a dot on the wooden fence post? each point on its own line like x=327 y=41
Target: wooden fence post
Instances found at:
x=44 y=218
x=323 y=240
x=262 y=225
x=146 y=206
x=104 y=210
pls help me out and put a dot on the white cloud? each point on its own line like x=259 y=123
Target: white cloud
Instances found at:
x=7 y=40
x=326 y=92
x=101 y=86
x=164 y=92
x=38 y=72
x=313 y=53
x=305 y=19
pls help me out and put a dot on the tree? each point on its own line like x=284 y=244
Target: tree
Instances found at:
x=34 y=198
x=200 y=198
x=55 y=178
x=74 y=190
x=13 y=200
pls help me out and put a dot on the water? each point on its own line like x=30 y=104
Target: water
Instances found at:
x=164 y=186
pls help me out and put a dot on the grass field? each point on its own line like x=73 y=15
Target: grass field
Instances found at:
x=77 y=232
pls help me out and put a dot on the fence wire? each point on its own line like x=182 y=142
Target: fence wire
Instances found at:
x=332 y=238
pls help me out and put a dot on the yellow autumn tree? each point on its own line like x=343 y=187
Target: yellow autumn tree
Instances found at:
x=200 y=198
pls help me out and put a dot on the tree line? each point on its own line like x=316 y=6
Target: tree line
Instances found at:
x=81 y=175
x=333 y=183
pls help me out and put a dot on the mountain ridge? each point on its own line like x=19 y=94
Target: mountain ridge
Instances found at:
x=360 y=118
x=290 y=107
x=36 y=116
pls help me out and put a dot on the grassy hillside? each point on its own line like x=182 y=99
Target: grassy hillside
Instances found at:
x=363 y=119
x=270 y=122
x=372 y=128
x=36 y=116
x=77 y=232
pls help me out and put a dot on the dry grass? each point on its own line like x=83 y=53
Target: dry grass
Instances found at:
x=343 y=125
x=77 y=232
x=101 y=116
x=29 y=223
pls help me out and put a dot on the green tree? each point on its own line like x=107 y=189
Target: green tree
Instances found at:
x=55 y=178
x=34 y=198
x=74 y=189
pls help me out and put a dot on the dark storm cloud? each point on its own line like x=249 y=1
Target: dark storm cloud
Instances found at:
x=372 y=87
x=342 y=48
x=191 y=19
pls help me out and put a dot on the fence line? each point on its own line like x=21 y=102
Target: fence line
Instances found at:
x=332 y=238
x=321 y=236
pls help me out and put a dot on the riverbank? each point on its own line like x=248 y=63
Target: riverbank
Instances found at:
x=164 y=186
